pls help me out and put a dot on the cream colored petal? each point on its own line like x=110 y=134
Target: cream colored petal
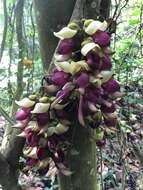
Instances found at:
x=59 y=57
x=93 y=27
x=105 y=76
x=50 y=131
x=104 y=26
x=32 y=153
x=88 y=47
x=65 y=33
x=26 y=103
x=33 y=125
x=27 y=150
x=60 y=129
x=72 y=67
x=41 y=108
x=23 y=134
x=83 y=65
x=43 y=164
x=96 y=25
x=60 y=106
x=63 y=66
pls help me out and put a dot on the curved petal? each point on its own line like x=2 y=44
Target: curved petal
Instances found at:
x=88 y=47
x=25 y=102
x=65 y=33
x=96 y=25
x=104 y=76
x=60 y=129
x=41 y=108
x=72 y=67
x=59 y=57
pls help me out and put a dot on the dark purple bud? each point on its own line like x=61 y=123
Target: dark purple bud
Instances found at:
x=61 y=114
x=22 y=114
x=112 y=122
x=101 y=38
x=111 y=86
x=43 y=153
x=43 y=171
x=101 y=143
x=81 y=80
x=42 y=118
x=93 y=94
x=32 y=139
x=59 y=156
x=65 y=46
x=63 y=93
x=108 y=109
x=95 y=124
x=31 y=161
x=105 y=63
x=59 y=78
x=133 y=136
x=93 y=60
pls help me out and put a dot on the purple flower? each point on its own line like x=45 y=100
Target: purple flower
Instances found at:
x=42 y=118
x=31 y=139
x=93 y=60
x=43 y=171
x=22 y=114
x=65 y=46
x=111 y=86
x=59 y=78
x=81 y=79
x=101 y=143
x=111 y=122
x=31 y=161
x=61 y=114
x=93 y=94
x=105 y=63
x=108 y=109
x=59 y=156
x=42 y=153
x=101 y=38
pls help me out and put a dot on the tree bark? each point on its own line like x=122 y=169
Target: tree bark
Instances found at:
x=83 y=165
x=51 y=15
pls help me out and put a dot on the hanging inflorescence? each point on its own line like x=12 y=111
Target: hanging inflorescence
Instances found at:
x=80 y=89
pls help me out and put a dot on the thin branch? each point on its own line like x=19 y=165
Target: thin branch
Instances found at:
x=6 y=116
x=5 y=28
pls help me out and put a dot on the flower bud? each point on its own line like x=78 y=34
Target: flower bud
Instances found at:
x=59 y=78
x=111 y=86
x=81 y=80
x=65 y=46
x=101 y=38
x=22 y=114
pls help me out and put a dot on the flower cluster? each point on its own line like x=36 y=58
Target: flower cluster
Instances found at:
x=81 y=87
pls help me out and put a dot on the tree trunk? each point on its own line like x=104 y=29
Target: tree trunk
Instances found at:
x=82 y=163
x=51 y=15
x=49 y=19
